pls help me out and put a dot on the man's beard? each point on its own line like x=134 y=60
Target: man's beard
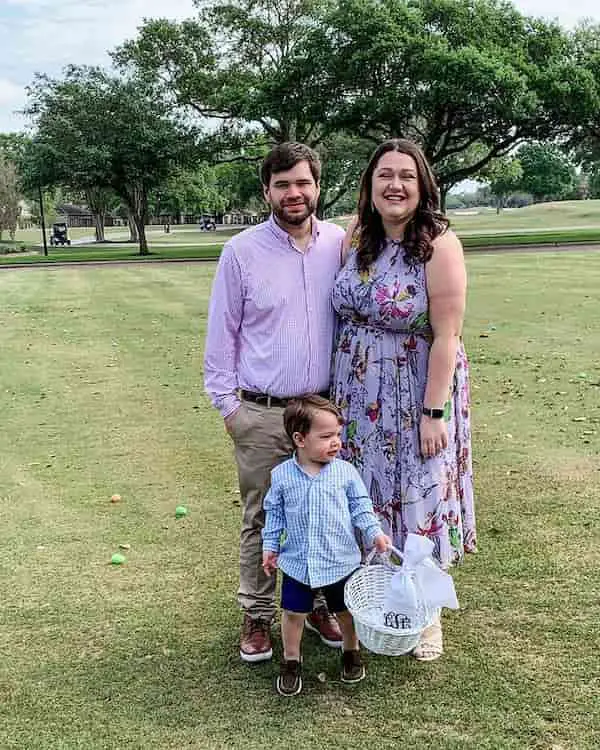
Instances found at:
x=295 y=219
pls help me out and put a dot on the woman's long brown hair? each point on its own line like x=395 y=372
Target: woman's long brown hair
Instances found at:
x=427 y=223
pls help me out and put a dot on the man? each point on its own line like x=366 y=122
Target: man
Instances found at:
x=270 y=337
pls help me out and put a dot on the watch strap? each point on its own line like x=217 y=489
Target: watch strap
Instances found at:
x=433 y=413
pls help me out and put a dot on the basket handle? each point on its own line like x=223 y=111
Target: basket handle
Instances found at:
x=386 y=555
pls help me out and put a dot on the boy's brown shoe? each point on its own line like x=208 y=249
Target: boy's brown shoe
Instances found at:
x=255 y=643
x=353 y=670
x=289 y=681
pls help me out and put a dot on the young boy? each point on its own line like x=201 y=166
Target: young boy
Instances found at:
x=318 y=500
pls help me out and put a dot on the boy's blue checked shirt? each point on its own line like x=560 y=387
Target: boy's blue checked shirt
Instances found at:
x=319 y=515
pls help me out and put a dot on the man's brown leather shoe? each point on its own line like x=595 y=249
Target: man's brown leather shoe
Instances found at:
x=322 y=622
x=255 y=643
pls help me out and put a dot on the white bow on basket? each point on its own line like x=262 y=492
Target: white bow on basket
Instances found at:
x=418 y=586
x=393 y=628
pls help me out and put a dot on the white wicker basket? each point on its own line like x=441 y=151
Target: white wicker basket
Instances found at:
x=364 y=595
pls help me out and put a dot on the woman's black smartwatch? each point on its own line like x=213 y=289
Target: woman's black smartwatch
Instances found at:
x=433 y=413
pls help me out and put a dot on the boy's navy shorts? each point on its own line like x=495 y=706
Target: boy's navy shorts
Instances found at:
x=299 y=597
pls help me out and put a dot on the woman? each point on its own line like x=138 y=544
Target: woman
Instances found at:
x=400 y=370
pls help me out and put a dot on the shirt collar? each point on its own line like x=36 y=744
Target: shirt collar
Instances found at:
x=281 y=234
x=322 y=473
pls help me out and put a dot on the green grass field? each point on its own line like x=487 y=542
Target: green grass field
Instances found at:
x=552 y=215
x=178 y=234
x=112 y=253
x=75 y=233
x=100 y=393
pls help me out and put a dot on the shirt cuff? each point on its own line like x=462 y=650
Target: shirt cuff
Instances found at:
x=228 y=405
x=270 y=545
x=371 y=532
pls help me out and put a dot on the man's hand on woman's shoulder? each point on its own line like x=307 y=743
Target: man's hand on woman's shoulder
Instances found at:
x=348 y=237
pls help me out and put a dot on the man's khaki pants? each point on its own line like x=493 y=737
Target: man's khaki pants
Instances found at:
x=260 y=444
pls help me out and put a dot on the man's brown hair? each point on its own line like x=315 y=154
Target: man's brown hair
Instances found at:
x=299 y=413
x=284 y=156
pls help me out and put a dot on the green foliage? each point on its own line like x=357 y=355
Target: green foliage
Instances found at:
x=12 y=145
x=505 y=176
x=210 y=189
x=12 y=248
x=9 y=196
x=51 y=198
x=455 y=75
x=585 y=141
x=186 y=192
x=468 y=79
x=548 y=172
x=594 y=182
x=242 y=62
x=259 y=68
x=343 y=157
x=238 y=186
x=98 y=131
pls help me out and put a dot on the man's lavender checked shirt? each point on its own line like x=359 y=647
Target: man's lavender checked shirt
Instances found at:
x=271 y=321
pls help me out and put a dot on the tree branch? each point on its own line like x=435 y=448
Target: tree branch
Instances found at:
x=499 y=149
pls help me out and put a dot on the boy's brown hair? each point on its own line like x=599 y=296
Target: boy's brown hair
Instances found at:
x=299 y=413
x=285 y=156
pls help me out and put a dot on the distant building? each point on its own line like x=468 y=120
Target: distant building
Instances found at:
x=81 y=216
x=243 y=217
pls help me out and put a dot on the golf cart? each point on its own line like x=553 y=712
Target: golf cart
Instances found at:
x=207 y=224
x=59 y=235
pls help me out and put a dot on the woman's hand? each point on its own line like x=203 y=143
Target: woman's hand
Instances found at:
x=434 y=436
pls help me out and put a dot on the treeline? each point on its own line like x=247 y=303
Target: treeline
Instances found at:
x=190 y=107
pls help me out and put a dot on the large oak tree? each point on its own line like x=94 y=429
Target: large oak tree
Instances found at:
x=469 y=79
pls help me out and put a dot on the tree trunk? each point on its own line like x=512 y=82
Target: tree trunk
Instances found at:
x=443 y=195
x=99 y=225
x=133 y=232
x=320 y=210
x=138 y=210
x=97 y=203
x=141 y=228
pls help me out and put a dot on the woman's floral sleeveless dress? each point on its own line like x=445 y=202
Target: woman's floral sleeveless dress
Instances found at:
x=379 y=377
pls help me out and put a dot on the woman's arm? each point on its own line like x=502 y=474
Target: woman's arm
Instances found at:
x=446 y=289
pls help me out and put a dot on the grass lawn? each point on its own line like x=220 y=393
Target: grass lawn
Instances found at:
x=100 y=393
x=187 y=233
x=211 y=251
x=551 y=215
x=112 y=252
x=75 y=233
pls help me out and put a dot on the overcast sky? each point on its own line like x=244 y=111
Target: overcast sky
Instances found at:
x=45 y=35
